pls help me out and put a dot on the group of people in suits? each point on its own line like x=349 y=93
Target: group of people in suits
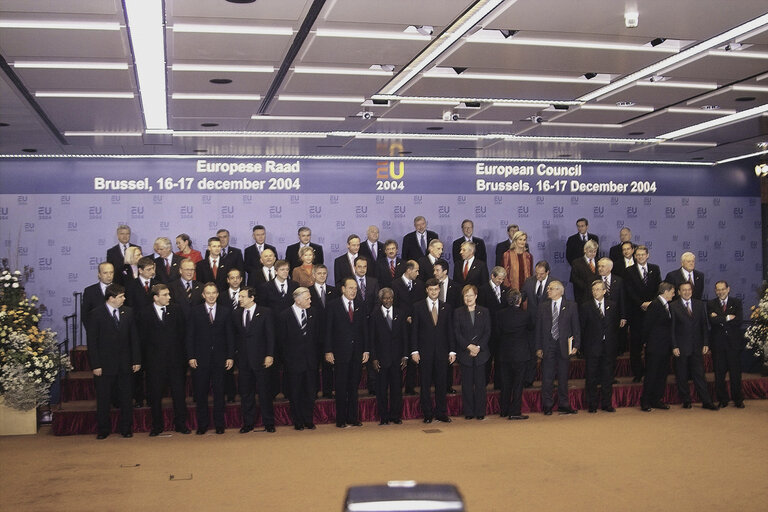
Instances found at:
x=164 y=313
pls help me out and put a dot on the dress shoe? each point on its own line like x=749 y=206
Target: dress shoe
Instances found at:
x=645 y=408
x=686 y=405
x=427 y=420
x=245 y=429
x=355 y=423
x=661 y=405
x=481 y=418
x=637 y=379
x=398 y=421
x=102 y=436
x=310 y=426
x=443 y=419
x=127 y=434
x=548 y=411
x=383 y=422
x=739 y=405
x=270 y=429
x=341 y=425
x=567 y=410
x=592 y=410
x=327 y=395
x=155 y=432
x=723 y=405
x=610 y=408
x=710 y=406
x=518 y=417
x=220 y=430
x=298 y=427
x=468 y=417
x=201 y=431
x=183 y=430
x=451 y=391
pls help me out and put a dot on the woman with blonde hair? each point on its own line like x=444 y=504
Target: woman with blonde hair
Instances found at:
x=517 y=262
x=303 y=273
x=130 y=270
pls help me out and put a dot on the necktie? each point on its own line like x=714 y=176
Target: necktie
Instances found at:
x=373 y=252
x=223 y=253
x=215 y=268
x=645 y=276
x=443 y=290
x=271 y=275
x=600 y=308
x=234 y=299
x=303 y=322
x=125 y=246
x=247 y=318
x=724 y=304
x=168 y=267
x=607 y=285
x=350 y=311
x=555 y=327
x=666 y=306
x=466 y=269
x=282 y=290
x=540 y=290
x=210 y=314
x=322 y=294
x=434 y=313
x=362 y=289
x=423 y=243
x=688 y=307
x=497 y=291
x=146 y=286
x=189 y=291
x=116 y=318
x=392 y=268
x=690 y=278
x=389 y=319
x=583 y=238
x=410 y=285
x=592 y=265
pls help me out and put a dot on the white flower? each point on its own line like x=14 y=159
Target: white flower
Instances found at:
x=15 y=285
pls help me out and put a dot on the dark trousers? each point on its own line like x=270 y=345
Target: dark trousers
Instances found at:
x=229 y=384
x=302 y=393
x=249 y=380
x=389 y=393
x=473 y=393
x=372 y=375
x=530 y=369
x=554 y=365
x=433 y=371
x=623 y=339
x=692 y=365
x=104 y=386
x=512 y=377
x=326 y=383
x=207 y=376
x=347 y=381
x=600 y=371
x=636 y=345
x=728 y=361
x=655 y=383
x=161 y=375
x=138 y=386
x=411 y=371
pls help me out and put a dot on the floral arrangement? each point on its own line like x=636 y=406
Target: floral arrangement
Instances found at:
x=30 y=360
x=757 y=332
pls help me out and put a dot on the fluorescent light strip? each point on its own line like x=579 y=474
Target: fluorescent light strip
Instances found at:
x=741 y=157
x=318 y=70
x=60 y=25
x=688 y=144
x=715 y=123
x=31 y=64
x=329 y=99
x=295 y=118
x=84 y=94
x=743 y=54
x=710 y=112
x=496 y=102
x=199 y=28
x=691 y=52
x=582 y=125
x=222 y=97
x=371 y=34
x=495 y=37
x=679 y=85
x=418 y=136
x=751 y=88
x=431 y=121
x=146 y=30
x=103 y=134
x=439 y=73
x=444 y=41
x=633 y=108
x=250 y=134
x=224 y=68
x=584 y=140
x=429 y=101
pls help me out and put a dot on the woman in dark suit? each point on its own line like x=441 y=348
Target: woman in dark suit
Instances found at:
x=130 y=270
x=472 y=325
x=514 y=330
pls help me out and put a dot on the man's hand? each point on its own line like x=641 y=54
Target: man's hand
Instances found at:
x=97 y=372
x=645 y=305
x=409 y=319
x=377 y=365
x=451 y=358
x=193 y=363
x=623 y=322
x=676 y=352
x=136 y=368
x=366 y=355
x=229 y=364
x=329 y=357
x=268 y=361
x=473 y=350
x=403 y=363
x=704 y=349
x=415 y=358
x=573 y=351
x=540 y=354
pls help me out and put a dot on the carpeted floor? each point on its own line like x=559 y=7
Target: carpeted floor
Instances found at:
x=676 y=460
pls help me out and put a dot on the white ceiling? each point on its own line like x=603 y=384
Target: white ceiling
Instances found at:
x=554 y=43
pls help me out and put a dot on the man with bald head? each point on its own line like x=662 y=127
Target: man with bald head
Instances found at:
x=266 y=271
x=687 y=273
x=372 y=250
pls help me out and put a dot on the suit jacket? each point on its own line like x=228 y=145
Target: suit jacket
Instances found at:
x=477 y=333
x=411 y=250
x=270 y=297
x=371 y=299
x=115 y=256
x=388 y=345
x=255 y=342
x=725 y=334
x=164 y=277
x=383 y=273
x=204 y=273
x=581 y=278
x=205 y=338
x=689 y=332
x=574 y=246
x=487 y=297
x=617 y=293
x=180 y=298
x=298 y=348
x=501 y=248
x=480 y=251
x=257 y=277
x=114 y=349
x=321 y=310
x=477 y=274
x=599 y=334
x=433 y=342
x=225 y=299
x=92 y=298
x=453 y=294
x=404 y=298
x=347 y=340
x=342 y=268
x=513 y=327
x=617 y=257
x=124 y=275
x=677 y=278
x=252 y=259
x=292 y=254
x=529 y=288
x=426 y=268
x=233 y=258
x=657 y=328
x=135 y=295
x=163 y=341
x=365 y=250
x=636 y=291
x=567 y=321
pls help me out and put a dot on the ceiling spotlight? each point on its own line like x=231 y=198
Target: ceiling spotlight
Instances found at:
x=536 y=119
x=449 y=115
x=710 y=107
x=733 y=47
x=658 y=41
x=507 y=33
x=631 y=19
x=658 y=78
x=761 y=170
x=425 y=30
x=366 y=115
x=760 y=145
x=590 y=76
x=625 y=103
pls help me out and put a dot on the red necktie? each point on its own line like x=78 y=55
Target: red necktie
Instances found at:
x=392 y=268
x=466 y=269
x=592 y=266
x=724 y=306
x=146 y=286
x=351 y=312
x=167 y=267
x=215 y=268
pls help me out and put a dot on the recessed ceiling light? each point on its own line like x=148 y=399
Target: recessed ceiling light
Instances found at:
x=209 y=125
x=745 y=98
x=200 y=150
x=698 y=158
x=220 y=81
x=29 y=150
x=710 y=107
x=3 y=125
x=241 y=1
x=565 y=155
x=625 y=103
x=434 y=128
x=636 y=133
x=406 y=152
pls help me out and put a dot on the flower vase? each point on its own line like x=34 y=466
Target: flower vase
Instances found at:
x=14 y=422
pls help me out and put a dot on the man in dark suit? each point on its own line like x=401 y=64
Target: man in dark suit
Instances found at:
x=254 y=331
x=492 y=295
x=642 y=284
x=95 y=294
x=292 y=251
x=185 y=291
x=657 y=338
x=114 y=355
x=163 y=333
x=690 y=341
x=727 y=343
x=534 y=293
x=433 y=348
x=346 y=347
x=615 y=252
x=232 y=257
x=252 y=258
x=627 y=259
x=450 y=291
x=266 y=272
x=470 y=269
x=213 y=267
x=615 y=291
x=557 y=338
x=514 y=328
x=584 y=272
x=167 y=263
x=504 y=246
x=372 y=250
x=467 y=229
x=116 y=253
x=322 y=294
x=277 y=295
x=298 y=337
x=574 y=246
x=389 y=267
x=687 y=273
x=426 y=263
x=230 y=299
x=344 y=265
x=408 y=290
x=211 y=352
x=415 y=243
x=600 y=317
x=367 y=287
x=389 y=352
